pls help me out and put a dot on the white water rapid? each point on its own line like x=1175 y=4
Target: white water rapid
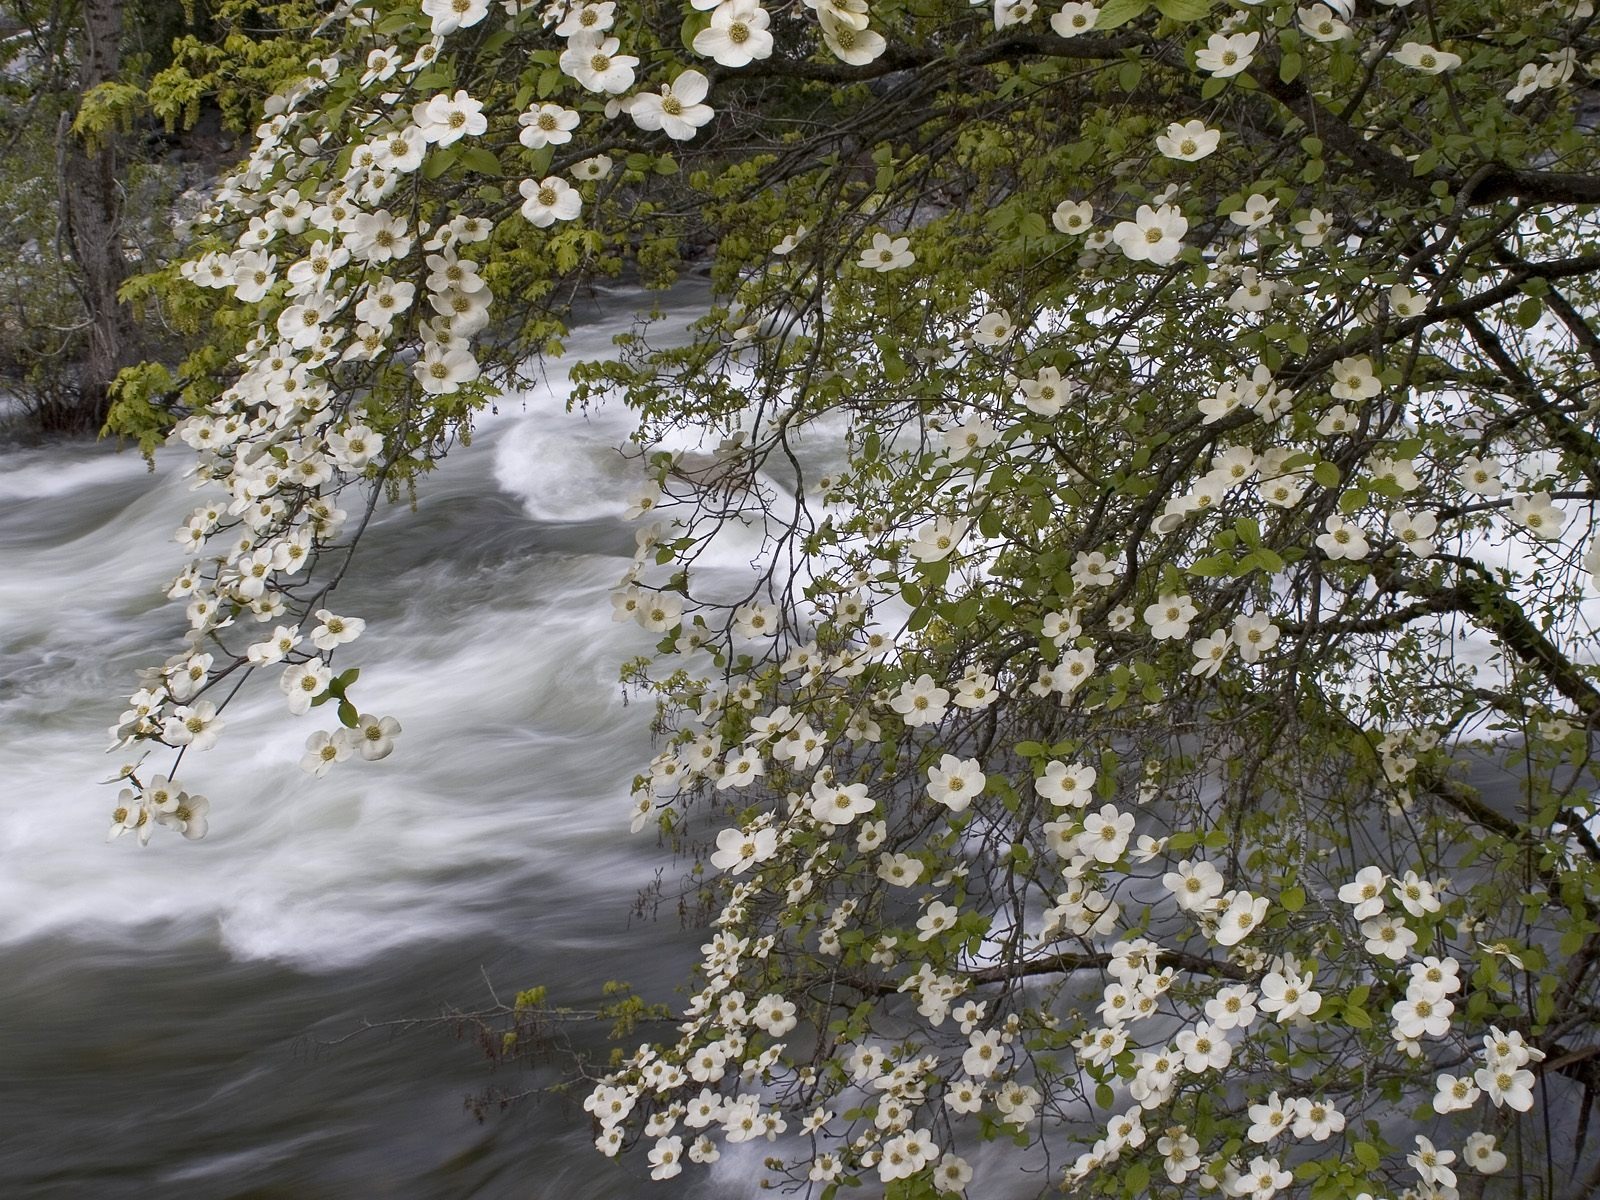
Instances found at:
x=164 y=1012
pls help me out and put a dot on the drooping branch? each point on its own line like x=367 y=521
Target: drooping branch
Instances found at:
x=1582 y=447
x=1475 y=185
x=1502 y=616
x=1064 y=963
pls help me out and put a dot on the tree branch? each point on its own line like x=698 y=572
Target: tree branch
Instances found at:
x=1061 y=964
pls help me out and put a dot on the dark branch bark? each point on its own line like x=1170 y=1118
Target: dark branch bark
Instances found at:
x=1062 y=964
x=1538 y=187
x=1482 y=184
x=1503 y=617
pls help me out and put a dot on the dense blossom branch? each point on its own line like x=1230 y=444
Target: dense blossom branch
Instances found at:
x=1118 y=472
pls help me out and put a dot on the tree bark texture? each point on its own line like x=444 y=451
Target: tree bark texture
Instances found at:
x=91 y=219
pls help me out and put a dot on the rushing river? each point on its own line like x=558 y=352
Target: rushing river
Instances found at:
x=171 y=1018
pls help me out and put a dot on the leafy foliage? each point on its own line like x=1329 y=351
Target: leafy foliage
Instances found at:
x=1163 y=436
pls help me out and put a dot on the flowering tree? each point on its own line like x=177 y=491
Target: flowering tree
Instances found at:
x=1168 y=430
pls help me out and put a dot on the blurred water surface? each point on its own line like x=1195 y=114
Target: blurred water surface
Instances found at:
x=166 y=1014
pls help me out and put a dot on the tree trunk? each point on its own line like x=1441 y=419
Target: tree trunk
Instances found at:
x=91 y=219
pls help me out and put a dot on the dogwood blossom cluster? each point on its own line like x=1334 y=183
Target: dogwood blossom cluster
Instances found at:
x=1078 y=763
x=317 y=238
x=843 y=827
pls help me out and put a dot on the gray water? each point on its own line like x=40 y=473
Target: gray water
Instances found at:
x=168 y=1015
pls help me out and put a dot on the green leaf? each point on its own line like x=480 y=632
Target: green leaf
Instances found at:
x=1119 y=12
x=440 y=161
x=693 y=25
x=1367 y=1155
x=1357 y=1017
x=1137 y=1179
x=539 y=161
x=348 y=717
x=434 y=78
x=1289 y=67
x=481 y=160
x=1326 y=474
x=1293 y=900
x=1266 y=561
x=1529 y=312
